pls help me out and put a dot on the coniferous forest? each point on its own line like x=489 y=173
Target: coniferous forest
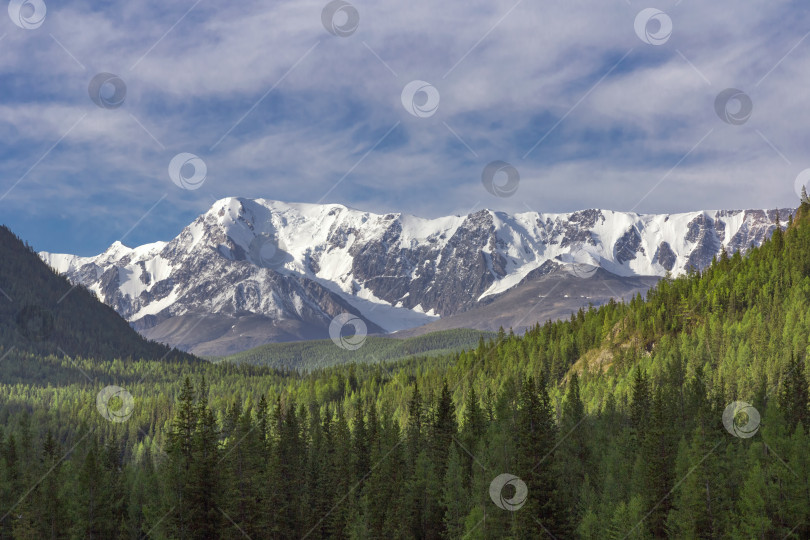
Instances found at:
x=682 y=415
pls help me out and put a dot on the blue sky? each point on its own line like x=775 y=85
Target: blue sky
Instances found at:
x=589 y=113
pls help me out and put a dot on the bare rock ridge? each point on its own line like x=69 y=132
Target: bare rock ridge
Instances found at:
x=253 y=271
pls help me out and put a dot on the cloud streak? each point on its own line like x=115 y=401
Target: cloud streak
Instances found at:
x=296 y=107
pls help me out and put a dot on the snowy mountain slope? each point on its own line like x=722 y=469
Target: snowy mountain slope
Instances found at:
x=546 y=293
x=292 y=267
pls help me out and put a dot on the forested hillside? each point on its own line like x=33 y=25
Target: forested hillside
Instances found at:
x=320 y=353
x=42 y=313
x=625 y=421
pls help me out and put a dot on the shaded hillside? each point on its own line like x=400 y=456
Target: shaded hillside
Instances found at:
x=42 y=313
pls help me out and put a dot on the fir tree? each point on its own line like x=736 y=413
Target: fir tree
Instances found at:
x=454 y=496
x=204 y=472
x=180 y=451
x=535 y=441
x=753 y=521
x=572 y=450
x=793 y=394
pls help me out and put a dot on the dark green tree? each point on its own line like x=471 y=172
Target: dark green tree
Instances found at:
x=793 y=394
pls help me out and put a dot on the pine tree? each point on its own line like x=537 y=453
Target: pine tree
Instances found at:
x=687 y=518
x=655 y=463
x=48 y=497
x=474 y=421
x=115 y=481
x=243 y=463
x=146 y=500
x=472 y=434
x=317 y=496
x=793 y=395
x=360 y=447
x=414 y=433
x=753 y=519
x=263 y=425
x=455 y=496
x=444 y=430
x=384 y=498
x=572 y=450
x=423 y=499
x=92 y=497
x=179 y=449
x=11 y=484
x=797 y=489
x=778 y=237
x=342 y=472
x=204 y=472
x=628 y=521
x=640 y=407
x=535 y=440
x=475 y=524
x=286 y=464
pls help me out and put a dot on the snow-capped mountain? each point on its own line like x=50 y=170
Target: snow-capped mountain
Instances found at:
x=253 y=271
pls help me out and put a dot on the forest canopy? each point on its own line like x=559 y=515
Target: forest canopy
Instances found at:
x=683 y=414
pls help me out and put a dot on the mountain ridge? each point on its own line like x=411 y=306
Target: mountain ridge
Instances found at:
x=249 y=271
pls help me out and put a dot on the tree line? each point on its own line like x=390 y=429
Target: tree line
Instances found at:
x=614 y=423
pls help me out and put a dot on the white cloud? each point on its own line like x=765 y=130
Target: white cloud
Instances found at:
x=512 y=83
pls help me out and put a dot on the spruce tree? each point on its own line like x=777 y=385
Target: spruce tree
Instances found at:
x=414 y=431
x=341 y=477
x=793 y=394
x=473 y=429
x=204 y=472
x=178 y=468
x=360 y=447
x=655 y=459
x=47 y=497
x=455 y=498
x=640 y=407
x=444 y=430
x=572 y=451
x=92 y=497
x=535 y=440
x=753 y=520
x=243 y=464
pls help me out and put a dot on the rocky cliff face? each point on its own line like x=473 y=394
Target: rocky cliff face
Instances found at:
x=293 y=267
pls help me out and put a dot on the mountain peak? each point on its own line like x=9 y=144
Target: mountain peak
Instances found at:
x=290 y=267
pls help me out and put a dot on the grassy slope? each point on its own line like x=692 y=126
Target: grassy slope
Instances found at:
x=309 y=355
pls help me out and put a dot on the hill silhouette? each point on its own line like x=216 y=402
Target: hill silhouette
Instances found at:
x=43 y=313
